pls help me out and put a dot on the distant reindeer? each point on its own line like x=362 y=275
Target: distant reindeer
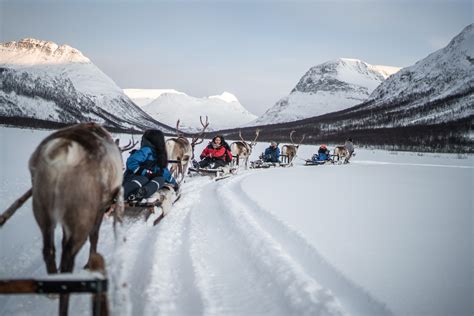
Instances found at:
x=290 y=151
x=180 y=149
x=76 y=176
x=340 y=152
x=242 y=149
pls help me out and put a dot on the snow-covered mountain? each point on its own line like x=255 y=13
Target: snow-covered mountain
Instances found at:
x=427 y=106
x=142 y=97
x=332 y=86
x=223 y=111
x=445 y=74
x=40 y=80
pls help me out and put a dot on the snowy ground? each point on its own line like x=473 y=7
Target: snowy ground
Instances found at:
x=390 y=233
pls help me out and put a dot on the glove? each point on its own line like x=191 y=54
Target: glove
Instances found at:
x=176 y=187
x=149 y=174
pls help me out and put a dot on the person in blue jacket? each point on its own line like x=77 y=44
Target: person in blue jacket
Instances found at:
x=323 y=154
x=147 y=170
x=272 y=153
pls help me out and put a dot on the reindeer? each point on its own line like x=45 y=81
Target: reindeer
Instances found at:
x=181 y=150
x=242 y=149
x=290 y=150
x=76 y=176
x=340 y=152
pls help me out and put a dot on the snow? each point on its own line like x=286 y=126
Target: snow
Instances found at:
x=389 y=234
x=142 y=97
x=224 y=111
x=30 y=51
x=225 y=96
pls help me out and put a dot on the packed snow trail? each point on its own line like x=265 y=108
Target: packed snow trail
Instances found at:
x=217 y=252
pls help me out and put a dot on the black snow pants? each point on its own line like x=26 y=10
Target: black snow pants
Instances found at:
x=212 y=163
x=133 y=184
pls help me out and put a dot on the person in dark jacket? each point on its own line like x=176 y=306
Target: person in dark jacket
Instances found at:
x=216 y=154
x=272 y=153
x=147 y=170
x=350 y=149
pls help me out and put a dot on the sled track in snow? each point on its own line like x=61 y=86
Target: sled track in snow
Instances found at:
x=218 y=252
x=292 y=244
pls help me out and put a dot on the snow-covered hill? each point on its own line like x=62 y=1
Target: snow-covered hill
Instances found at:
x=223 y=111
x=42 y=80
x=332 y=86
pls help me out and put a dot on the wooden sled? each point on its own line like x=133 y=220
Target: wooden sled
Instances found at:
x=217 y=173
x=259 y=164
x=156 y=211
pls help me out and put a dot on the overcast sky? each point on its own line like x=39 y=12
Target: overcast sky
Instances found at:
x=257 y=50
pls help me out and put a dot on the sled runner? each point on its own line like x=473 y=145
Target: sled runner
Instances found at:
x=215 y=173
x=154 y=208
x=310 y=162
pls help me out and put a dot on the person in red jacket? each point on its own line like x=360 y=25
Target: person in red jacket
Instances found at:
x=216 y=154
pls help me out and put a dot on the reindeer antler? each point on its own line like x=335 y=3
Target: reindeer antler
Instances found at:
x=196 y=137
x=291 y=136
x=241 y=138
x=130 y=145
x=293 y=142
x=254 y=142
x=178 y=132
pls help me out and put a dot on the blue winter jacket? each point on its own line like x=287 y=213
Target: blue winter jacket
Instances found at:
x=272 y=154
x=322 y=155
x=145 y=158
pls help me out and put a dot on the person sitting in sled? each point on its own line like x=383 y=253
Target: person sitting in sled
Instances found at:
x=272 y=153
x=146 y=168
x=216 y=154
x=323 y=154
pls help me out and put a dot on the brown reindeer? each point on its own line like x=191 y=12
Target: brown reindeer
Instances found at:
x=242 y=149
x=76 y=176
x=290 y=151
x=181 y=150
x=340 y=153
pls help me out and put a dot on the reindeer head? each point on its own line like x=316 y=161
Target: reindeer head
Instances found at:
x=180 y=150
x=290 y=150
x=242 y=149
x=293 y=142
x=252 y=143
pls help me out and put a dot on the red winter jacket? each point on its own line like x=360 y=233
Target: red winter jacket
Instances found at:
x=217 y=153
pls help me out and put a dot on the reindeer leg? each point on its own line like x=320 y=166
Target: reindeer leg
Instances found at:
x=49 y=251
x=94 y=238
x=71 y=246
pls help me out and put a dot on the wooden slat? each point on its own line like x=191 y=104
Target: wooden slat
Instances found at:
x=33 y=286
